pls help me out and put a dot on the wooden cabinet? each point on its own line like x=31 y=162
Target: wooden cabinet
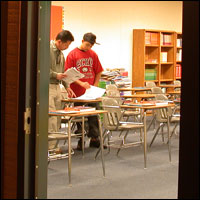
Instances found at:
x=154 y=56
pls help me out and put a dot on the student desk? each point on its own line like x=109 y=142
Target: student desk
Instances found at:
x=174 y=94
x=169 y=87
x=135 y=89
x=73 y=116
x=139 y=96
x=74 y=100
x=145 y=108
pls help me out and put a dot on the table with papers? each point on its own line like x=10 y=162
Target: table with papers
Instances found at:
x=73 y=116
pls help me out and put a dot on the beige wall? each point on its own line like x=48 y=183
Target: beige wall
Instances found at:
x=113 y=23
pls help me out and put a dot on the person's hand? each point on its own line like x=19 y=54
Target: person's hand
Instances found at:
x=86 y=85
x=70 y=92
x=60 y=76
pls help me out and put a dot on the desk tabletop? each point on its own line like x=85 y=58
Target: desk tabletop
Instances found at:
x=170 y=86
x=136 y=89
x=82 y=100
x=79 y=114
x=145 y=107
x=174 y=92
x=139 y=96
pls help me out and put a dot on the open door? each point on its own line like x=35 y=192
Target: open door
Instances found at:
x=42 y=99
x=36 y=99
x=35 y=60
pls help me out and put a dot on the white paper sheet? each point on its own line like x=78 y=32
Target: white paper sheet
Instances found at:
x=72 y=75
x=92 y=93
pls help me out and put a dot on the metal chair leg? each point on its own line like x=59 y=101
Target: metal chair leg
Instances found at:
x=155 y=136
x=173 y=132
x=105 y=133
x=123 y=141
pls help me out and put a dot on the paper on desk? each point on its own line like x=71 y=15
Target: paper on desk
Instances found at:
x=72 y=75
x=92 y=93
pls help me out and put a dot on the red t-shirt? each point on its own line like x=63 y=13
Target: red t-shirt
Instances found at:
x=87 y=62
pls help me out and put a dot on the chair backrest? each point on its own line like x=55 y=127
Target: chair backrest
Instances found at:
x=156 y=90
x=177 y=83
x=161 y=97
x=150 y=84
x=112 y=117
x=111 y=87
x=162 y=113
x=112 y=91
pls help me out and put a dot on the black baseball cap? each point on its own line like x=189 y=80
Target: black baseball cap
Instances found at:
x=90 y=37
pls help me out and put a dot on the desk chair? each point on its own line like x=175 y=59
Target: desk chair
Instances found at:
x=52 y=152
x=156 y=90
x=111 y=87
x=112 y=91
x=113 y=121
x=150 y=84
x=165 y=116
x=177 y=83
x=55 y=137
x=64 y=120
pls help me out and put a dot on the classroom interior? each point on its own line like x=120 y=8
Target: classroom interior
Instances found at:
x=122 y=30
x=117 y=43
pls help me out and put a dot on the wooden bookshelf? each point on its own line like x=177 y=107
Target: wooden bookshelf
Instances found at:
x=154 y=56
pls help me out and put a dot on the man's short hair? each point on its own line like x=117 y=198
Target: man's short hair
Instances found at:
x=65 y=36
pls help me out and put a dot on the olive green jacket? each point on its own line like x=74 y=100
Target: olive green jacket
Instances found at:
x=57 y=64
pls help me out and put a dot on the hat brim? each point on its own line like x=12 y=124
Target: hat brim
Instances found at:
x=97 y=43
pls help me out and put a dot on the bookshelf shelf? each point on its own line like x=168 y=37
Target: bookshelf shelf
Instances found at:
x=166 y=63
x=150 y=63
x=149 y=45
x=154 y=56
x=170 y=46
x=166 y=80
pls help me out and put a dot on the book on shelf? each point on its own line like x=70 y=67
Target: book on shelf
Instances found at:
x=179 y=42
x=166 y=39
x=150 y=74
x=147 y=38
x=151 y=60
x=178 y=70
x=163 y=56
x=161 y=38
x=179 y=55
x=154 y=38
x=151 y=38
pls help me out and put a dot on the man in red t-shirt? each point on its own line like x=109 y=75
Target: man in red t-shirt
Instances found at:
x=87 y=62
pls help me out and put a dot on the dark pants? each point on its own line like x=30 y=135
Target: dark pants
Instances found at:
x=91 y=126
